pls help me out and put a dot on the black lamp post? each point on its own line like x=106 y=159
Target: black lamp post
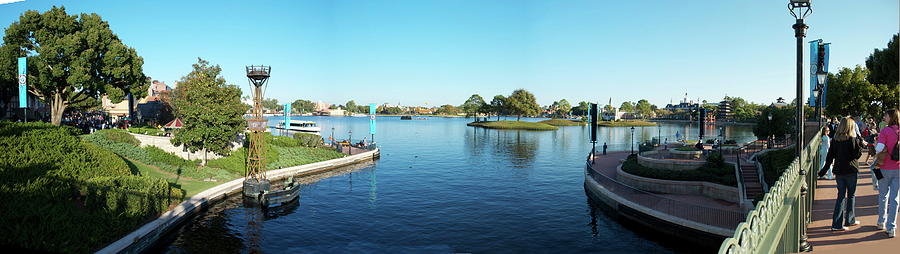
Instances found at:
x=771 y=136
x=800 y=9
x=820 y=90
x=632 y=139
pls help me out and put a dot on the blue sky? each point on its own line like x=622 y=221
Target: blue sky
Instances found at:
x=441 y=51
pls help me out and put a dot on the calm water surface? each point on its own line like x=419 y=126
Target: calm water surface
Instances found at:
x=440 y=187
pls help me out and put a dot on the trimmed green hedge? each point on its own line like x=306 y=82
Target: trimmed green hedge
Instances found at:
x=119 y=136
x=775 y=162
x=308 y=139
x=61 y=194
x=160 y=156
x=708 y=173
x=294 y=156
x=147 y=131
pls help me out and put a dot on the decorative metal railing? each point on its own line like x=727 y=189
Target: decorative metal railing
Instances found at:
x=778 y=223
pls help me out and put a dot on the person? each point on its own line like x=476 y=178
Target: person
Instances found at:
x=890 y=171
x=844 y=153
x=604 y=148
x=823 y=149
x=666 y=144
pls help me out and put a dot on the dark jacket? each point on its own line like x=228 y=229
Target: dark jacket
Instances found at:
x=845 y=155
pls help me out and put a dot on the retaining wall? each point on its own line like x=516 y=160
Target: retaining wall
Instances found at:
x=146 y=236
x=668 y=164
x=707 y=189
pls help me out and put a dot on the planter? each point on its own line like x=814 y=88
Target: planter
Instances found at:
x=685 y=155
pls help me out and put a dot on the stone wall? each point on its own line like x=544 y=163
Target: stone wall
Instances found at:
x=711 y=190
x=645 y=159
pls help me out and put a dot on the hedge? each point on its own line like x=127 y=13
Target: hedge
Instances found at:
x=154 y=156
x=61 y=194
x=708 y=173
x=147 y=131
x=308 y=139
x=120 y=136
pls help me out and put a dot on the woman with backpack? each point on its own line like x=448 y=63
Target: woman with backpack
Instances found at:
x=844 y=153
x=889 y=172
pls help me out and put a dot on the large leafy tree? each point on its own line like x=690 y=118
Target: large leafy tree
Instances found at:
x=563 y=108
x=644 y=108
x=351 y=106
x=271 y=104
x=71 y=59
x=303 y=106
x=627 y=106
x=473 y=105
x=498 y=105
x=210 y=109
x=849 y=93
x=883 y=73
x=522 y=103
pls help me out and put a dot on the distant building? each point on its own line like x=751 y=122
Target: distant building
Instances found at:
x=780 y=103
x=321 y=106
x=152 y=104
x=725 y=111
x=35 y=107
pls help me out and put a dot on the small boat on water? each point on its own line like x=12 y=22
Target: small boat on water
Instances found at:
x=301 y=126
x=288 y=193
x=406 y=118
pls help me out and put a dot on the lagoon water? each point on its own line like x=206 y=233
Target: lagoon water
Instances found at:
x=442 y=187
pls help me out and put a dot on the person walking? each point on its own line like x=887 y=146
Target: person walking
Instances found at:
x=889 y=169
x=823 y=150
x=844 y=154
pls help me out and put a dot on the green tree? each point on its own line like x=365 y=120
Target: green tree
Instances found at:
x=627 y=106
x=211 y=110
x=883 y=73
x=644 y=108
x=849 y=93
x=448 y=109
x=473 y=105
x=71 y=59
x=522 y=103
x=303 y=106
x=782 y=122
x=583 y=109
x=608 y=108
x=350 y=106
x=563 y=108
x=498 y=105
x=271 y=104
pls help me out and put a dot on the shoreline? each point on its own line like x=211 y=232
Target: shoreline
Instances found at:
x=146 y=236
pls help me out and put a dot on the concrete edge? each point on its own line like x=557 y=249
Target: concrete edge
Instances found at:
x=599 y=190
x=152 y=231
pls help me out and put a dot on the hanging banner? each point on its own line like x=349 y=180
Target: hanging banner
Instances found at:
x=287 y=116
x=23 y=89
x=813 y=68
x=372 y=118
x=825 y=68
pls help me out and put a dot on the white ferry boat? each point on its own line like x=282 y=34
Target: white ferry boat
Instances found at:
x=301 y=126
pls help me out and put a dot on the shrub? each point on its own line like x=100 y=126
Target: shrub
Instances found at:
x=147 y=131
x=160 y=156
x=686 y=149
x=721 y=175
x=62 y=194
x=308 y=139
x=294 y=156
x=283 y=141
x=119 y=136
x=775 y=162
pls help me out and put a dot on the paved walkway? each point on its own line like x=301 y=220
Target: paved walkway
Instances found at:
x=864 y=238
x=607 y=164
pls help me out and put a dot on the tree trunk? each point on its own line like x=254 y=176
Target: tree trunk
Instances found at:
x=203 y=162
x=57 y=107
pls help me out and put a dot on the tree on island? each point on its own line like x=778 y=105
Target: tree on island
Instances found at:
x=210 y=109
x=473 y=105
x=522 y=103
x=644 y=108
x=271 y=104
x=71 y=59
x=448 y=109
x=498 y=105
x=583 y=109
x=561 y=108
x=627 y=106
x=608 y=108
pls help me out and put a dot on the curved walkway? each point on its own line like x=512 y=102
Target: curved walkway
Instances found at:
x=864 y=238
x=145 y=236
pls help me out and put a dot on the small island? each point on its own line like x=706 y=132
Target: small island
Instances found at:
x=625 y=123
x=564 y=122
x=514 y=125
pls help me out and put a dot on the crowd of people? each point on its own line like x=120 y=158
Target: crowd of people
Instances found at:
x=90 y=121
x=845 y=140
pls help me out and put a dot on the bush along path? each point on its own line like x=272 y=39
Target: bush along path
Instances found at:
x=61 y=194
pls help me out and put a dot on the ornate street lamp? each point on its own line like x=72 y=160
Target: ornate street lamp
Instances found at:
x=255 y=181
x=632 y=139
x=800 y=9
x=771 y=136
x=820 y=91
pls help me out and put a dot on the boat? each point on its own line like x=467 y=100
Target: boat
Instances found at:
x=406 y=118
x=286 y=194
x=301 y=126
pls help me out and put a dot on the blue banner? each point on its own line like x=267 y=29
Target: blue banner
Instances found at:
x=813 y=68
x=825 y=68
x=287 y=116
x=23 y=88
x=372 y=108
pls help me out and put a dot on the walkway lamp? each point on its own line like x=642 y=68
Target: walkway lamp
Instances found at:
x=820 y=90
x=771 y=137
x=800 y=9
x=632 y=139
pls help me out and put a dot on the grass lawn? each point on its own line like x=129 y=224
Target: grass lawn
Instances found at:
x=563 y=122
x=190 y=186
x=515 y=125
x=625 y=123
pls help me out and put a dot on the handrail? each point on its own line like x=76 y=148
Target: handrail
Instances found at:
x=740 y=179
x=777 y=222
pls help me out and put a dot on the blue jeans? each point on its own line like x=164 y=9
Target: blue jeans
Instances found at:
x=844 y=210
x=887 y=198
